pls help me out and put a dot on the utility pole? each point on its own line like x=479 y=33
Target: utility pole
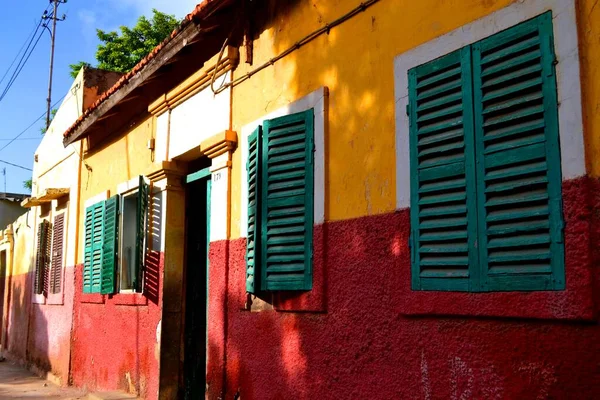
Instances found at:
x=54 y=19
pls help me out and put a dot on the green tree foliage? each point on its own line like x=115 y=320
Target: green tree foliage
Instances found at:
x=121 y=51
x=28 y=184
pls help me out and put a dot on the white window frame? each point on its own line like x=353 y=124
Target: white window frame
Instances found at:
x=570 y=121
x=317 y=100
x=125 y=189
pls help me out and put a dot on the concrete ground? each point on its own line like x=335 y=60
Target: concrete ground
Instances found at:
x=18 y=383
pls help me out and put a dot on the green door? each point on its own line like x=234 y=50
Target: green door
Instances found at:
x=196 y=283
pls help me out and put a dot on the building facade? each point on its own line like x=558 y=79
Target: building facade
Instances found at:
x=365 y=200
x=38 y=248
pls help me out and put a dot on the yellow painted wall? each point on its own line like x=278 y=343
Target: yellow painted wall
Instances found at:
x=588 y=19
x=113 y=161
x=356 y=62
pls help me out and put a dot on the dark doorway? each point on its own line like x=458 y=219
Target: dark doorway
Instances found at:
x=196 y=284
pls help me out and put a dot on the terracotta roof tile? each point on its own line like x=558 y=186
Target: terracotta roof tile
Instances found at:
x=125 y=78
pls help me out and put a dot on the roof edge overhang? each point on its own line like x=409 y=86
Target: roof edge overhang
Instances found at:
x=46 y=196
x=187 y=34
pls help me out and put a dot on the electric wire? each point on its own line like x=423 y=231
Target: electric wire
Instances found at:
x=15 y=165
x=31 y=125
x=25 y=56
x=28 y=40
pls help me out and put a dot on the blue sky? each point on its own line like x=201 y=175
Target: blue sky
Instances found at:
x=76 y=41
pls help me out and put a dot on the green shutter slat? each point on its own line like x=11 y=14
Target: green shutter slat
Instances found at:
x=443 y=221
x=143 y=199
x=434 y=76
x=439 y=90
x=444 y=210
x=443 y=113
x=502 y=79
x=512 y=228
x=515 y=116
x=512 y=63
x=254 y=167
x=441 y=149
x=443 y=237
x=440 y=127
x=110 y=226
x=93 y=248
x=87 y=258
x=503 y=106
x=440 y=101
x=513 y=156
x=518 y=47
x=518 y=176
x=286 y=206
x=444 y=198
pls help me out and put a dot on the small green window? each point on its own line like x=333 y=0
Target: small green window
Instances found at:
x=115 y=236
x=486 y=203
x=280 y=204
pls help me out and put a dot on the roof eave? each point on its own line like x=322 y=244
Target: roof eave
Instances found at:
x=170 y=50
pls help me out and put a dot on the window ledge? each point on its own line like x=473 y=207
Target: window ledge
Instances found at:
x=129 y=299
x=92 y=298
x=55 y=299
x=39 y=299
x=573 y=304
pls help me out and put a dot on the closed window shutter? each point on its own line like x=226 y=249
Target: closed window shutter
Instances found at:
x=57 y=253
x=252 y=244
x=109 y=246
x=287 y=203
x=517 y=147
x=140 y=244
x=42 y=258
x=443 y=201
x=87 y=258
x=96 y=247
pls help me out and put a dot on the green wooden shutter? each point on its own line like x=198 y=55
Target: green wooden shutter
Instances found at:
x=140 y=244
x=92 y=266
x=42 y=258
x=443 y=203
x=252 y=243
x=517 y=147
x=109 y=246
x=287 y=203
x=87 y=259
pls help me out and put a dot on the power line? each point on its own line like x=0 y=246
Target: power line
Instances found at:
x=28 y=40
x=25 y=56
x=27 y=138
x=30 y=125
x=15 y=165
x=54 y=19
x=21 y=65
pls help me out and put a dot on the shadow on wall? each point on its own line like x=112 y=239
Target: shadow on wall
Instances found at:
x=27 y=339
x=364 y=347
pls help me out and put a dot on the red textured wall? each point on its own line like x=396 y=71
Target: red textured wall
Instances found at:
x=380 y=340
x=114 y=344
x=39 y=334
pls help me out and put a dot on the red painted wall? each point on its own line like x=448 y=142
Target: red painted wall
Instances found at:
x=380 y=340
x=115 y=341
x=38 y=335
